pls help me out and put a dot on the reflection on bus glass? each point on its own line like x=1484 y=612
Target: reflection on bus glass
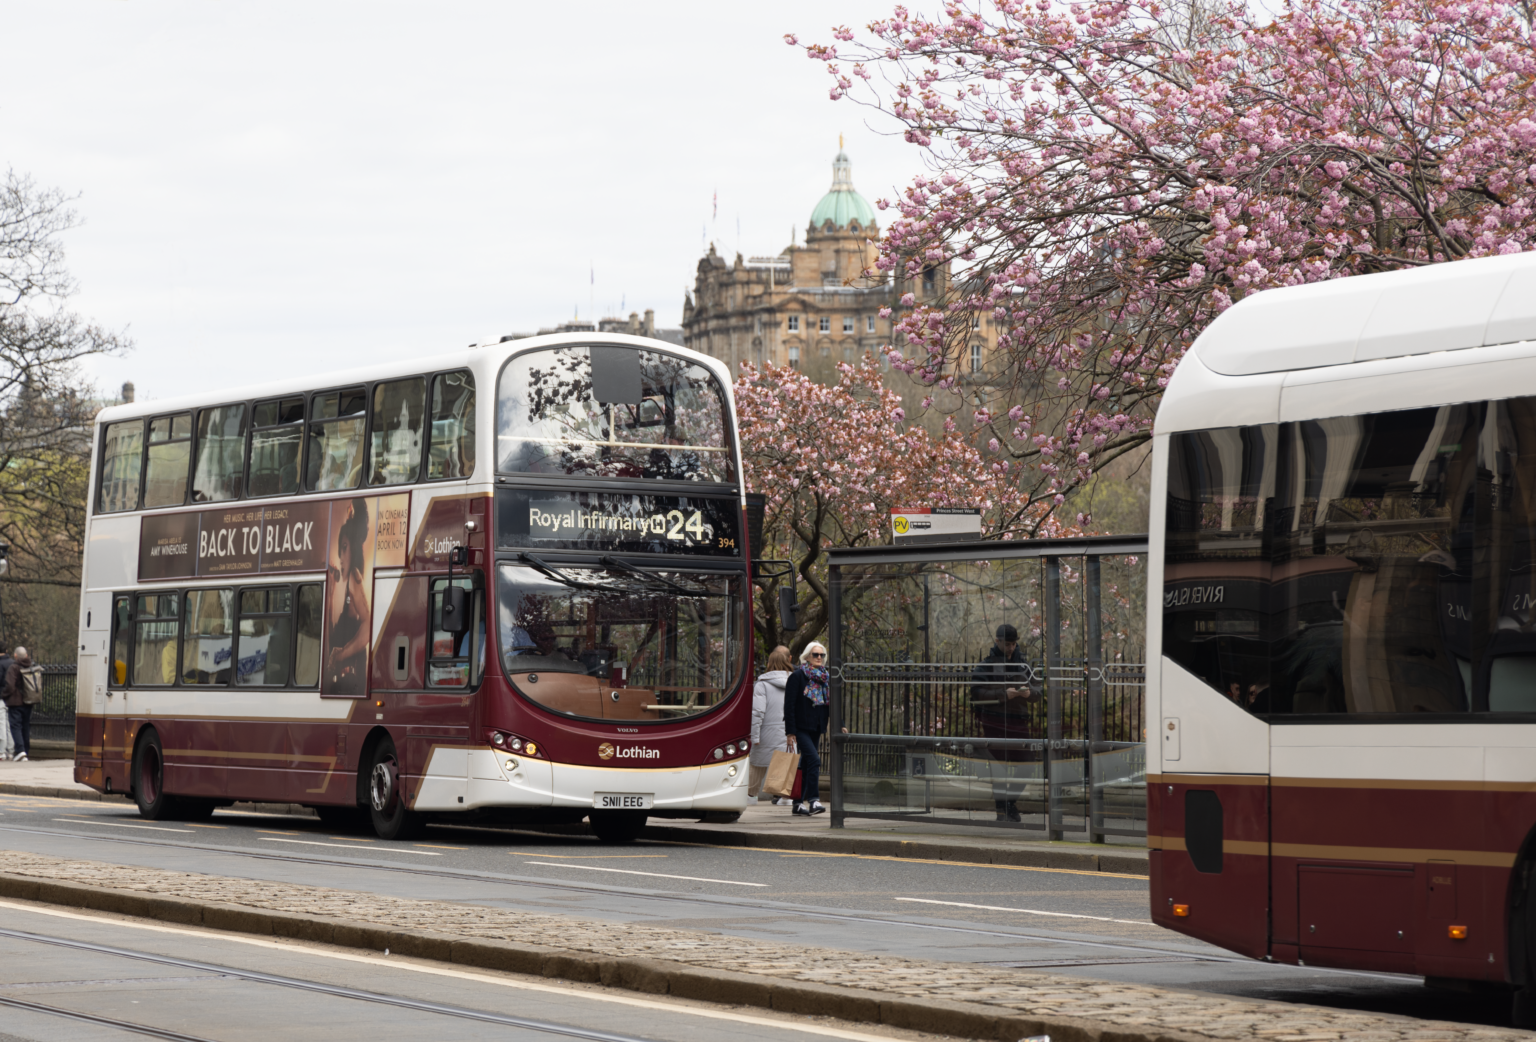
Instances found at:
x=1358 y=564
x=548 y=420
x=622 y=642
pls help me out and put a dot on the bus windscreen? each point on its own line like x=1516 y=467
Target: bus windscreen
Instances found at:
x=620 y=642
x=667 y=419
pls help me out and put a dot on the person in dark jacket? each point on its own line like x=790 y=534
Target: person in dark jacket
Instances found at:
x=805 y=721
x=1001 y=692
x=16 y=705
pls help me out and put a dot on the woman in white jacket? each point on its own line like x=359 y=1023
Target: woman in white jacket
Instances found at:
x=768 y=717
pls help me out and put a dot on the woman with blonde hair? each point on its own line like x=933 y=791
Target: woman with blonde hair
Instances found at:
x=768 y=718
x=805 y=720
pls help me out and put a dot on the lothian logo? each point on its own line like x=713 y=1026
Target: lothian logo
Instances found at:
x=605 y=750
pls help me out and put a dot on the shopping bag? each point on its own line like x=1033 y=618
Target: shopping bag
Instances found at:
x=799 y=786
x=781 y=773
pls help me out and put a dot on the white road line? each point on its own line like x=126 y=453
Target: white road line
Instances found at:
x=349 y=846
x=680 y=1006
x=1025 y=911
x=119 y=825
x=632 y=872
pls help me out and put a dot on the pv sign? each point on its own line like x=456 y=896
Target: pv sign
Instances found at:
x=935 y=524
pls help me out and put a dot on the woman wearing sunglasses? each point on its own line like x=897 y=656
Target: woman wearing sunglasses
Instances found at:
x=805 y=720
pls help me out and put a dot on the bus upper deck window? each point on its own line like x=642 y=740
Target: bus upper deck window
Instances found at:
x=335 y=459
x=394 y=455
x=220 y=454
x=452 y=451
x=122 y=460
x=277 y=436
x=170 y=453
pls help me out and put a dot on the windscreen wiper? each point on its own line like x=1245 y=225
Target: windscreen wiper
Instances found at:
x=614 y=562
x=560 y=577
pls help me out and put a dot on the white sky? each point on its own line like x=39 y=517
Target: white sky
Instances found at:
x=278 y=187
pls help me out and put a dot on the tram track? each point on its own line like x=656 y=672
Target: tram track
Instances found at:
x=278 y=980
x=1122 y=947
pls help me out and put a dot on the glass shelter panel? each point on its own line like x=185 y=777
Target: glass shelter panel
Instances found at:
x=1000 y=691
x=612 y=412
x=1362 y=565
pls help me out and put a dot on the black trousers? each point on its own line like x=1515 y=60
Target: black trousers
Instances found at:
x=810 y=765
x=21 y=729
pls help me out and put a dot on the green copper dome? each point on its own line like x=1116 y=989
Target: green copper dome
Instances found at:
x=842 y=204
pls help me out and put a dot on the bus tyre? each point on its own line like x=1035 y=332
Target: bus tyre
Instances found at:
x=386 y=802
x=617 y=826
x=149 y=779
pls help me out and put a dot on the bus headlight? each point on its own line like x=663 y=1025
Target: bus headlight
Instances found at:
x=732 y=771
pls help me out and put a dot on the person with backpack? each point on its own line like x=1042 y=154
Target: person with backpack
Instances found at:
x=23 y=689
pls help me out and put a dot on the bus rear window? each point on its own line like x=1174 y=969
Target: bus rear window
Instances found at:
x=611 y=412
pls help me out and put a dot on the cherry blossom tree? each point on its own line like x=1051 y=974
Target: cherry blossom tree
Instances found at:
x=832 y=460
x=1107 y=177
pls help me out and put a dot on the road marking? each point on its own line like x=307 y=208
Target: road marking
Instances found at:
x=597 y=857
x=197 y=826
x=120 y=825
x=343 y=846
x=632 y=872
x=679 y=1006
x=922 y=861
x=436 y=846
x=1026 y=911
x=276 y=832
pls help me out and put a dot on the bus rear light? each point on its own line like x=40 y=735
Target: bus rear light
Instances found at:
x=1182 y=911
x=1457 y=933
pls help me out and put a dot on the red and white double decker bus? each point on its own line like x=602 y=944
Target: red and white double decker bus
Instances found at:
x=508 y=582
x=1344 y=547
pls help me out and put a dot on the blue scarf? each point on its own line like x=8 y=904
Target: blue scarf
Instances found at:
x=815 y=684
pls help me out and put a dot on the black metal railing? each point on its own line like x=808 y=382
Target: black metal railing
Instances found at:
x=53 y=721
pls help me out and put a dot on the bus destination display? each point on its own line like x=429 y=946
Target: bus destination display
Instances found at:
x=537 y=518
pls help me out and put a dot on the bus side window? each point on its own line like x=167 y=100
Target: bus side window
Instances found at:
x=457 y=659
x=154 y=639
x=266 y=637
x=122 y=639
x=452 y=450
x=306 y=658
x=277 y=436
x=207 y=649
x=122 y=461
x=394 y=457
x=220 y=454
x=336 y=440
x=170 y=452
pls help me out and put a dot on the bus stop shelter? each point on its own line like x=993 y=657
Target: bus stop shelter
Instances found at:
x=922 y=726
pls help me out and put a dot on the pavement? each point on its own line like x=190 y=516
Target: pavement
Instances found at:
x=966 y=1000
x=761 y=825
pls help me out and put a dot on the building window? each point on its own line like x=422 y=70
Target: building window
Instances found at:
x=976 y=320
x=826 y=324
x=794 y=356
x=759 y=325
x=794 y=323
x=976 y=358
x=869 y=323
x=847 y=323
x=929 y=278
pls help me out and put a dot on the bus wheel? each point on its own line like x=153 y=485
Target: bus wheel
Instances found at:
x=617 y=826
x=149 y=779
x=386 y=803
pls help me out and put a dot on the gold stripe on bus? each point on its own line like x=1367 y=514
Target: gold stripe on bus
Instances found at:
x=1228 y=846
x=1207 y=779
x=1480 y=858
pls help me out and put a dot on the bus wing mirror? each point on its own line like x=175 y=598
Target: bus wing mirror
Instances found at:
x=789 y=613
x=458 y=557
x=453 y=611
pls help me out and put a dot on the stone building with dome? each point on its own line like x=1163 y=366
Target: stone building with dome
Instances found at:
x=810 y=306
